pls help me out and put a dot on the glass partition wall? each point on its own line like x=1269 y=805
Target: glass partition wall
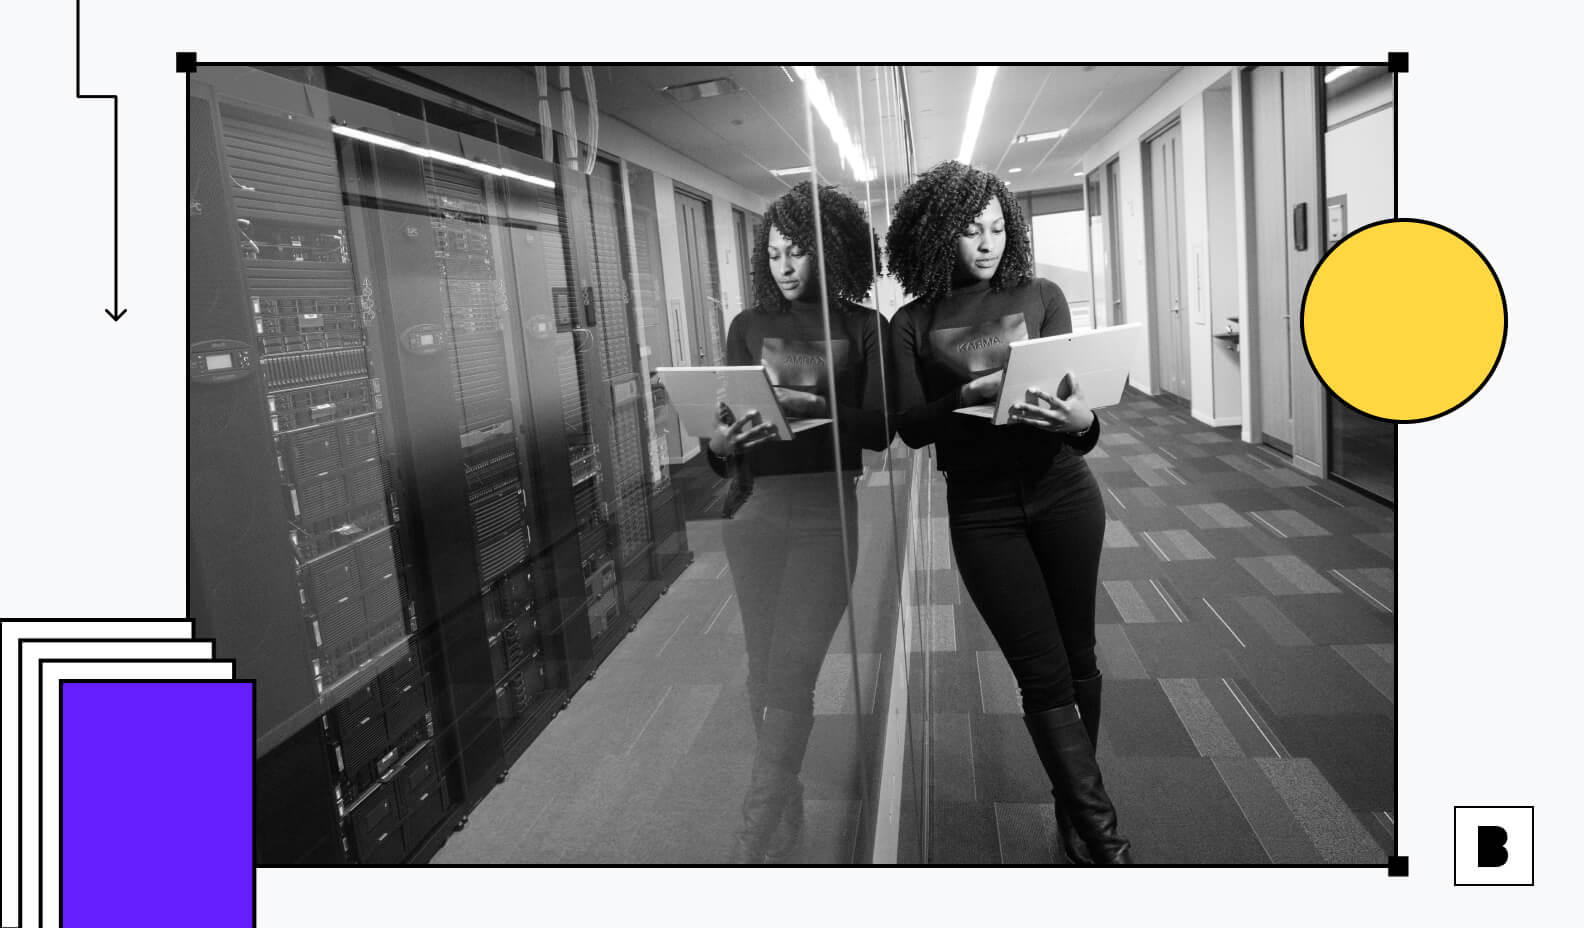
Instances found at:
x=439 y=493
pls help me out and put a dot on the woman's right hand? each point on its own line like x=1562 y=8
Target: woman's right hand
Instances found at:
x=982 y=389
x=739 y=436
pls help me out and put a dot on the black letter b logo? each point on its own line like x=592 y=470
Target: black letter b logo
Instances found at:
x=1492 y=845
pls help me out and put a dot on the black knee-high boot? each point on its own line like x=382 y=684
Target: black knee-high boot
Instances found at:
x=783 y=737
x=1087 y=693
x=1069 y=760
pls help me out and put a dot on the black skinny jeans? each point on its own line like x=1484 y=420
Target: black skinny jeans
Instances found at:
x=784 y=547
x=1028 y=550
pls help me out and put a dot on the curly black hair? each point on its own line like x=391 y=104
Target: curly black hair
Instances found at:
x=930 y=216
x=849 y=244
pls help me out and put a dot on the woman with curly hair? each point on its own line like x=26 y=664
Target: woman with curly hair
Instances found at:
x=783 y=540
x=1026 y=516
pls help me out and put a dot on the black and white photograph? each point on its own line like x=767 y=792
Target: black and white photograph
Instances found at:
x=1054 y=550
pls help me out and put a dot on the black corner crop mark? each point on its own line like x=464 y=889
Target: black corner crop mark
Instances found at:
x=186 y=62
x=1397 y=62
x=115 y=316
x=1396 y=866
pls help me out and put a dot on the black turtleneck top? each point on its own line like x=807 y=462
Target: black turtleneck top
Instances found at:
x=791 y=344
x=938 y=347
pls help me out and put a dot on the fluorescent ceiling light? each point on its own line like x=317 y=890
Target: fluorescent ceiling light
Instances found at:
x=1339 y=71
x=1040 y=136
x=700 y=90
x=784 y=172
x=824 y=104
x=481 y=167
x=1014 y=170
x=976 y=110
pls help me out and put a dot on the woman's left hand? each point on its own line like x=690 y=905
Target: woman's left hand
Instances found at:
x=1045 y=411
x=800 y=404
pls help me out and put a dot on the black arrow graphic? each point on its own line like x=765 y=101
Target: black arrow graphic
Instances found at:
x=115 y=141
x=116 y=316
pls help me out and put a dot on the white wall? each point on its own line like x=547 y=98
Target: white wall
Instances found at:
x=1180 y=94
x=1359 y=160
x=1221 y=263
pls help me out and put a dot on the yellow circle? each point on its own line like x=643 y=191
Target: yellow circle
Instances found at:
x=1404 y=320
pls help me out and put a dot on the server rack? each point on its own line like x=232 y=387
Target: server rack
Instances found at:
x=419 y=512
x=295 y=534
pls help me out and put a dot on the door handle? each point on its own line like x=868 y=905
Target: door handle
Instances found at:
x=588 y=307
x=1301 y=227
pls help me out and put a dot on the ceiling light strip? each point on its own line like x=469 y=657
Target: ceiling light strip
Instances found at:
x=819 y=96
x=976 y=111
x=448 y=158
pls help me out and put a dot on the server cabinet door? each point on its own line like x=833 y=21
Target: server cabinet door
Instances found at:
x=562 y=364
x=291 y=515
x=632 y=429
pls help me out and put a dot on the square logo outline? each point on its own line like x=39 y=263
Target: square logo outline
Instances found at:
x=1455 y=853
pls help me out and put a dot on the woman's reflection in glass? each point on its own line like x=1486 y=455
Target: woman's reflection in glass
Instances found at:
x=783 y=540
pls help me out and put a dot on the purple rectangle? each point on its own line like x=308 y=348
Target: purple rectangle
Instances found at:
x=157 y=804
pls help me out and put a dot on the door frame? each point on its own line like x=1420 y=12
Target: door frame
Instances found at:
x=1157 y=289
x=698 y=317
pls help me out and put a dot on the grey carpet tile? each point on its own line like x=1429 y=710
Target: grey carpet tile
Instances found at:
x=1026 y=832
x=1118 y=536
x=1337 y=552
x=998 y=689
x=1213 y=516
x=1288 y=523
x=707 y=565
x=1282 y=838
x=972 y=632
x=1183 y=650
x=1177 y=545
x=1139 y=721
x=937 y=629
x=1372 y=666
x=1266 y=615
x=1179 y=811
x=1340 y=619
x=1243 y=718
x=1006 y=767
x=832 y=763
x=1286 y=575
x=1376 y=585
x=1353 y=751
x=1337 y=834
x=1200 y=718
x=1137 y=498
x=963 y=833
x=1116 y=655
x=1380 y=827
x=1300 y=681
x=954 y=681
x=846 y=684
x=945 y=587
x=1136 y=602
x=952 y=758
x=1190 y=580
x=1384 y=542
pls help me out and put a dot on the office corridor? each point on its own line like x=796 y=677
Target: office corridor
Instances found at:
x=1246 y=633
